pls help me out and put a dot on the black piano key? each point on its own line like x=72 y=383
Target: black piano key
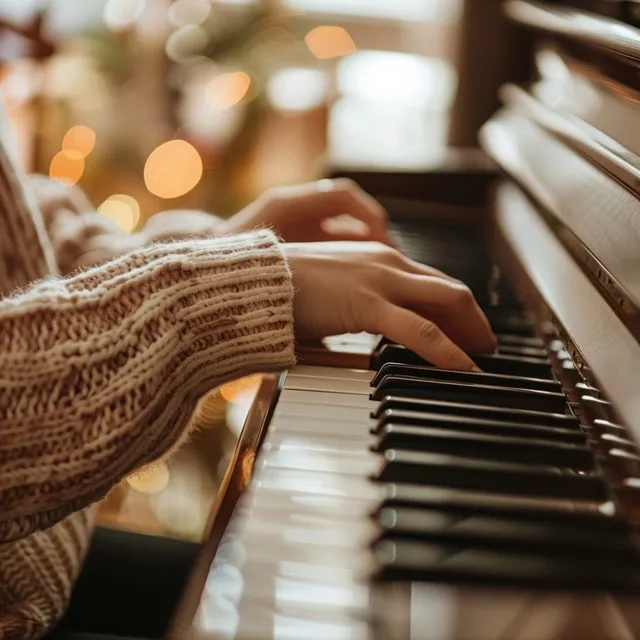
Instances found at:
x=443 y=470
x=513 y=322
x=390 y=402
x=409 y=560
x=494 y=363
x=478 y=425
x=506 y=339
x=531 y=399
x=498 y=380
x=603 y=515
x=524 y=352
x=501 y=532
x=507 y=345
x=514 y=365
x=477 y=445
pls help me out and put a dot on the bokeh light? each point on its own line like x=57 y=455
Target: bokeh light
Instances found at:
x=235 y=390
x=330 y=42
x=67 y=166
x=122 y=209
x=228 y=89
x=121 y=14
x=186 y=43
x=151 y=479
x=297 y=89
x=187 y=12
x=173 y=169
x=79 y=140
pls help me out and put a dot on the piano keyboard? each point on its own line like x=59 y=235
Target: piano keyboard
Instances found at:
x=432 y=483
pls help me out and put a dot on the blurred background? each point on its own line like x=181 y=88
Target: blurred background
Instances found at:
x=151 y=105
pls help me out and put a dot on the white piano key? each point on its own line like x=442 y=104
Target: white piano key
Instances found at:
x=339 y=508
x=337 y=429
x=310 y=530
x=296 y=482
x=326 y=398
x=319 y=442
x=331 y=385
x=300 y=396
x=361 y=463
x=309 y=548
x=310 y=602
x=333 y=373
x=252 y=619
x=353 y=414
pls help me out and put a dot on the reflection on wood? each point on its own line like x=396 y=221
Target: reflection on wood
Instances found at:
x=174 y=498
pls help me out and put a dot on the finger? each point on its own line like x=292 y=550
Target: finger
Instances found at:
x=410 y=266
x=423 y=337
x=400 y=261
x=449 y=304
x=345 y=196
x=357 y=236
x=347 y=228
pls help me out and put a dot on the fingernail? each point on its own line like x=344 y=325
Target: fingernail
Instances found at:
x=476 y=369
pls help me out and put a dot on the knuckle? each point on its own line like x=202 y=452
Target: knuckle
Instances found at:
x=463 y=297
x=387 y=253
x=346 y=184
x=428 y=331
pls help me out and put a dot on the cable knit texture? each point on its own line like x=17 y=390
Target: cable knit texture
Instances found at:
x=100 y=371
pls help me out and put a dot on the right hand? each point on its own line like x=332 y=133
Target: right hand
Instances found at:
x=348 y=287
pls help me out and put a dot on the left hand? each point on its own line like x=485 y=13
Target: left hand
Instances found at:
x=326 y=210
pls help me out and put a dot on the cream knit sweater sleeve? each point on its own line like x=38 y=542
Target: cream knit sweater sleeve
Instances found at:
x=99 y=372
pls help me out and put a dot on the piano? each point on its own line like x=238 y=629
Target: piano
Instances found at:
x=372 y=496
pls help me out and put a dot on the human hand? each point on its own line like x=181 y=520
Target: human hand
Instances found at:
x=348 y=287
x=327 y=210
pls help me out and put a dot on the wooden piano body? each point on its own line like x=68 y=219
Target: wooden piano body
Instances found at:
x=305 y=544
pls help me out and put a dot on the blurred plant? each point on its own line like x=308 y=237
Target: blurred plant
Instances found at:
x=250 y=40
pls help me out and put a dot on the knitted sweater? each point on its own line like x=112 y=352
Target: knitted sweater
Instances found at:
x=100 y=371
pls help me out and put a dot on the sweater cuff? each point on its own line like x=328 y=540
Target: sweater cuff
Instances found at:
x=236 y=311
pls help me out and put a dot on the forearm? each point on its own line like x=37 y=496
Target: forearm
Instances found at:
x=99 y=372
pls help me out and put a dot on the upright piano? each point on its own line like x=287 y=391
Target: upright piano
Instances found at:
x=372 y=496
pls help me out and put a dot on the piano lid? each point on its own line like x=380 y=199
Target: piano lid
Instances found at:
x=627 y=11
x=579 y=25
x=584 y=184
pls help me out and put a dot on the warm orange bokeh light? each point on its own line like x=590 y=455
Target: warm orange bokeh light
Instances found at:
x=233 y=390
x=80 y=140
x=329 y=42
x=173 y=169
x=152 y=479
x=228 y=89
x=67 y=166
x=123 y=209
